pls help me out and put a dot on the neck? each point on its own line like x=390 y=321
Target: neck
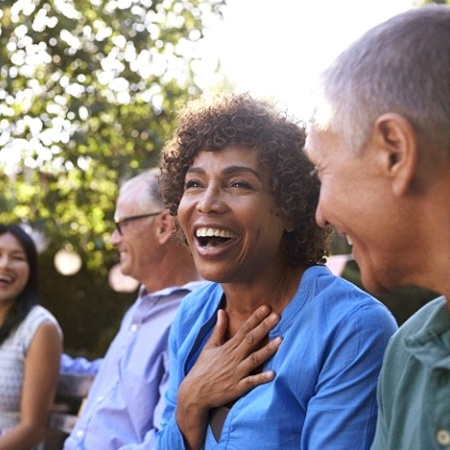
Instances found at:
x=176 y=269
x=243 y=299
x=430 y=248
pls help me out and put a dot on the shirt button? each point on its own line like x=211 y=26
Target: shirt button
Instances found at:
x=100 y=398
x=134 y=327
x=443 y=437
x=80 y=433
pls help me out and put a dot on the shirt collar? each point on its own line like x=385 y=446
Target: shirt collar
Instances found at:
x=431 y=343
x=190 y=286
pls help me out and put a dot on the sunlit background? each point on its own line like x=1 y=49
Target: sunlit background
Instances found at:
x=276 y=49
x=89 y=91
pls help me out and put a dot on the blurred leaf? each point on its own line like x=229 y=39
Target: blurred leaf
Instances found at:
x=88 y=94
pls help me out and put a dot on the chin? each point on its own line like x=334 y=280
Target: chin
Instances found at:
x=211 y=275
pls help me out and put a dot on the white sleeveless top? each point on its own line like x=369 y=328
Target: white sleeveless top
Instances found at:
x=12 y=357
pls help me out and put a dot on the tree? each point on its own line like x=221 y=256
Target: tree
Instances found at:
x=88 y=94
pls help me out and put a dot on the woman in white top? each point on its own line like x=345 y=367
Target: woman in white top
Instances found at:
x=30 y=345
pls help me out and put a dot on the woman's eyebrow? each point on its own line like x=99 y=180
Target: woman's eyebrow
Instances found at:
x=230 y=170
x=195 y=170
x=240 y=169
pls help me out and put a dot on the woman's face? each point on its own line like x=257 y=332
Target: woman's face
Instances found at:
x=14 y=269
x=228 y=215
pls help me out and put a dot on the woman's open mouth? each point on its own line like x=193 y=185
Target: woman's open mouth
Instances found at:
x=212 y=237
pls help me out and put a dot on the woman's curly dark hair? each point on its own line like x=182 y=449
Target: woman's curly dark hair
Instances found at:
x=239 y=119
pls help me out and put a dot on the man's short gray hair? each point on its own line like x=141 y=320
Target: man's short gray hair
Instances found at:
x=146 y=186
x=400 y=66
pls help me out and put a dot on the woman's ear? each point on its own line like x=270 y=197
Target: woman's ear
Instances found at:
x=289 y=225
x=397 y=147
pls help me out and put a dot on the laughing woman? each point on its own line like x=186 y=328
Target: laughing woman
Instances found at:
x=276 y=352
x=30 y=345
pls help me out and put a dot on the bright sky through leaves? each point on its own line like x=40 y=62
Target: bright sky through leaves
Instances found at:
x=277 y=48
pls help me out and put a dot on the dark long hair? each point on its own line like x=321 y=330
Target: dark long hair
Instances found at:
x=28 y=297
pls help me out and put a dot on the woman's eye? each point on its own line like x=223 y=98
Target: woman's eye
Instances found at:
x=241 y=184
x=191 y=184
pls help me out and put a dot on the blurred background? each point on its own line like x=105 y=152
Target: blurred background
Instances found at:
x=88 y=94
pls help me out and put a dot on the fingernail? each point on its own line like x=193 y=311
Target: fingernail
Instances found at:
x=274 y=318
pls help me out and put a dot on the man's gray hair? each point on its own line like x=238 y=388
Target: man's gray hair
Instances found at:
x=400 y=66
x=146 y=186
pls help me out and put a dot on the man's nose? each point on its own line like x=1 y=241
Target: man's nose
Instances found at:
x=115 y=237
x=320 y=217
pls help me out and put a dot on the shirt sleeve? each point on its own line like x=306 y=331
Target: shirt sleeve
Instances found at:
x=342 y=413
x=79 y=365
x=170 y=437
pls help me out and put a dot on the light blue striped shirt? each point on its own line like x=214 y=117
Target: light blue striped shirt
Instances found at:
x=124 y=406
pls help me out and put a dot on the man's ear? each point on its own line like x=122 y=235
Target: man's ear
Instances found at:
x=166 y=227
x=397 y=143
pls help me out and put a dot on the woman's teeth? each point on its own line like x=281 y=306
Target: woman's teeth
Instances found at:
x=214 y=232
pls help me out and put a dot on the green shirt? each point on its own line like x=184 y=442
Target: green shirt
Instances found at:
x=414 y=385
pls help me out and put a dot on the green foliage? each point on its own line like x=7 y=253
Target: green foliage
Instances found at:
x=88 y=93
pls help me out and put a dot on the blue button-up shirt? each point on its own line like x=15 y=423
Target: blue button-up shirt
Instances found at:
x=124 y=406
x=324 y=392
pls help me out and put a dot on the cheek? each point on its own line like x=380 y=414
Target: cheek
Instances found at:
x=183 y=213
x=24 y=275
x=333 y=191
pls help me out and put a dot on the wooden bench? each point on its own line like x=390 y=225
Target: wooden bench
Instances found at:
x=71 y=393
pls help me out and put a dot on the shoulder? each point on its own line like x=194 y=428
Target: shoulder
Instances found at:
x=199 y=305
x=434 y=315
x=39 y=315
x=46 y=341
x=425 y=316
x=38 y=312
x=335 y=294
x=414 y=348
x=38 y=318
x=417 y=340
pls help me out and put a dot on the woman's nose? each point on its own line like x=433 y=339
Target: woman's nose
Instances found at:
x=4 y=261
x=210 y=200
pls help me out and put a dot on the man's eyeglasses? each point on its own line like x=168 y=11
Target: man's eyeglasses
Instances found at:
x=118 y=221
